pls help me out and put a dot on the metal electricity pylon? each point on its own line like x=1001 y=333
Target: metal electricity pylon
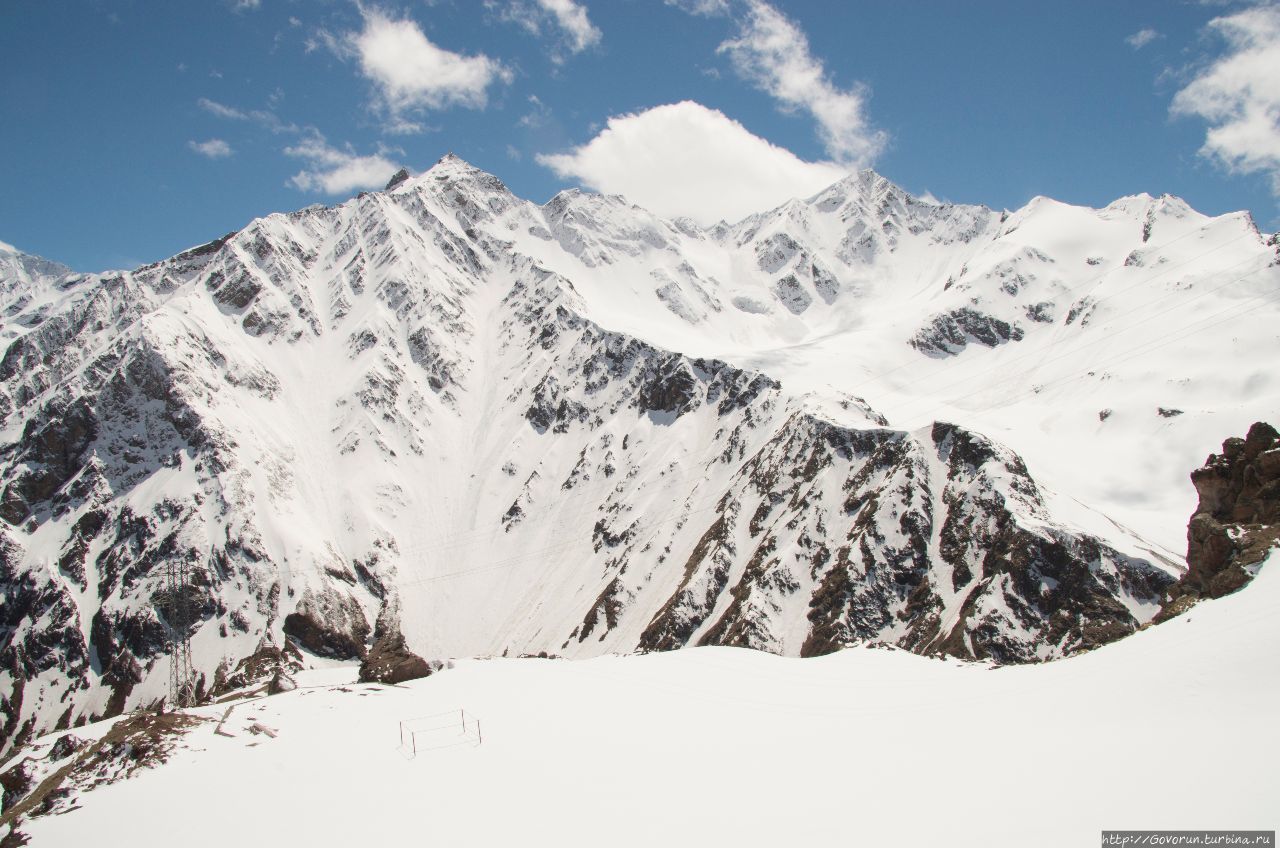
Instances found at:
x=177 y=596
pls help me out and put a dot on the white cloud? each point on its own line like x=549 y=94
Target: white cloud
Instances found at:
x=1142 y=38
x=684 y=159
x=568 y=17
x=321 y=37
x=410 y=73
x=400 y=125
x=701 y=7
x=220 y=110
x=332 y=170
x=1238 y=95
x=264 y=117
x=772 y=53
x=572 y=19
x=214 y=148
x=537 y=116
x=247 y=5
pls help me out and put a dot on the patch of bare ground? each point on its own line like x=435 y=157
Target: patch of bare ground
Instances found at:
x=138 y=741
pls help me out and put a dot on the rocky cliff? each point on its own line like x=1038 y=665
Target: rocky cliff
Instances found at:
x=1236 y=522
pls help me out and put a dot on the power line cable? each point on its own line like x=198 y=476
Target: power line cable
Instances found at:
x=872 y=378
x=1041 y=352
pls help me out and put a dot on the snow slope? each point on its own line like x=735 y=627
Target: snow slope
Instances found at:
x=1171 y=728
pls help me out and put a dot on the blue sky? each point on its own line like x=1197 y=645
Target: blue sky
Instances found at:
x=135 y=129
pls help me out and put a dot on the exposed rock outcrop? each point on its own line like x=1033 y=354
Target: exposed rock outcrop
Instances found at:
x=1236 y=522
x=271 y=666
x=949 y=333
x=329 y=624
x=390 y=660
x=397 y=178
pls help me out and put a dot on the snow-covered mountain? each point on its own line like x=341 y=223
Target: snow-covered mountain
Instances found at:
x=445 y=414
x=28 y=285
x=18 y=269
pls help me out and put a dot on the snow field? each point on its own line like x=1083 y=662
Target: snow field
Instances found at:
x=1171 y=728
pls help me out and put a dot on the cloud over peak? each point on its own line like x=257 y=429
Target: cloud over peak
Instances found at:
x=683 y=159
x=333 y=170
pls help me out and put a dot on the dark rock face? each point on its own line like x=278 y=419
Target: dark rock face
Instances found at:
x=16 y=782
x=396 y=179
x=54 y=448
x=951 y=332
x=329 y=625
x=65 y=747
x=269 y=666
x=390 y=661
x=672 y=391
x=27 y=652
x=928 y=548
x=1064 y=588
x=1237 y=520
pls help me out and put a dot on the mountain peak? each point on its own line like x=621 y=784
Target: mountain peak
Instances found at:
x=865 y=184
x=452 y=168
x=452 y=162
x=15 y=258
x=1130 y=203
x=590 y=199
